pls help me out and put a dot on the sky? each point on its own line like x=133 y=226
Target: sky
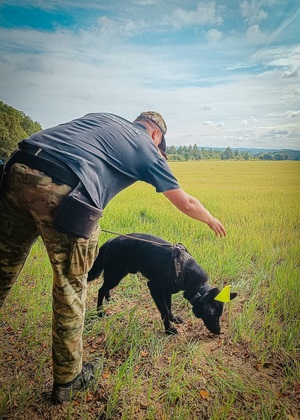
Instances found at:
x=222 y=73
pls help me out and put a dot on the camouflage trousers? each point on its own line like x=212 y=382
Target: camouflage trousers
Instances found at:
x=27 y=201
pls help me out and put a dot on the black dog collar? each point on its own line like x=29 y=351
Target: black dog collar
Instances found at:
x=200 y=294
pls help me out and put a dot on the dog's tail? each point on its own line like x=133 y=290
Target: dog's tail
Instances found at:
x=97 y=267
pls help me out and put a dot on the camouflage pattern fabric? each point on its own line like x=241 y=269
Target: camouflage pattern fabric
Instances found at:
x=157 y=118
x=27 y=201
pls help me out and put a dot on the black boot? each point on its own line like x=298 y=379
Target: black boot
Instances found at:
x=68 y=391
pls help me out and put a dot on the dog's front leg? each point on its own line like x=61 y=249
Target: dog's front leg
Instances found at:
x=173 y=318
x=162 y=306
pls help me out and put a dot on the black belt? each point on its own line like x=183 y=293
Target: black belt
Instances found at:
x=37 y=158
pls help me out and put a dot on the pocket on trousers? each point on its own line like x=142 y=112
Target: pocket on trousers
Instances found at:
x=77 y=217
x=83 y=254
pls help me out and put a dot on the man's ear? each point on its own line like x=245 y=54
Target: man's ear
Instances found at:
x=156 y=137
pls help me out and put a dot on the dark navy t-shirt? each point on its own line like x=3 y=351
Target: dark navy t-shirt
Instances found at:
x=107 y=153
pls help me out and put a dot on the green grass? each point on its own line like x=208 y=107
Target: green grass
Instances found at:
x=251 y=371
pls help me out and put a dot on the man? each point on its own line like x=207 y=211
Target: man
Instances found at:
x=56 y=187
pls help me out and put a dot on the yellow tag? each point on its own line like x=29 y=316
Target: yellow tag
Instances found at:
x=224 y=295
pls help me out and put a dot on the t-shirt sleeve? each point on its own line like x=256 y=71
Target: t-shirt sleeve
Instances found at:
x=160 y=176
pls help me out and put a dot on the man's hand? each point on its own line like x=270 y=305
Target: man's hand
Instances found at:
x=192 y=207
x=217 y=227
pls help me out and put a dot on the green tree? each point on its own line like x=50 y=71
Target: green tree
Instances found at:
x=245 y=155
x=171 y=150
x=30 y=127
x=237 y=154
x=196 y=152
x=180 y=150
x=280 y=156
x=227 y=154
x=204 y=153
x=266 y=156
x=191 y=151
x=14 y=126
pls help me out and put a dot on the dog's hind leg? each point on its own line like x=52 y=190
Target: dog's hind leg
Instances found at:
x=163 y=308
x=112 y=277
x=103 y=293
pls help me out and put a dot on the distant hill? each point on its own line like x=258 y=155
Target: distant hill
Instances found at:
x=291 y=153
x=254 y=151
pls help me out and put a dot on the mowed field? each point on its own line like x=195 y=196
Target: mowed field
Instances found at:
x=250 y=371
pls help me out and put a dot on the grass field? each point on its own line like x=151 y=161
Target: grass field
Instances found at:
x=251 y=371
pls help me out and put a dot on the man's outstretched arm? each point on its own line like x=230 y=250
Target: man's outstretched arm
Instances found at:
x=193 y=208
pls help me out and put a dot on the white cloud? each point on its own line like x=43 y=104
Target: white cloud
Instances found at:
x=213 y=124
x=278 y=132
x=252 y=12
x=213 y=35
x=246 y=122
x=292 y=114
x=121 y=28
x=205 y=13
x=255 y=36
x=282 y=57
x=291 y=74
x=146 y=2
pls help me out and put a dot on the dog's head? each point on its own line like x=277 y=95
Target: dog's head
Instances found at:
x=209 y=309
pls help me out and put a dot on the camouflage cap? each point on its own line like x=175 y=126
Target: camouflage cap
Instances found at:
x=161 y=124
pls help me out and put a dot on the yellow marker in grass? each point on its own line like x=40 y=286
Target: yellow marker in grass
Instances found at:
x=224 y=295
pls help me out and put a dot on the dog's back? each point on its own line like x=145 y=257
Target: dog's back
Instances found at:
x=132 y=253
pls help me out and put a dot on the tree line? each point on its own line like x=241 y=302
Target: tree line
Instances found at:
x=15 y=126
x=185 y=153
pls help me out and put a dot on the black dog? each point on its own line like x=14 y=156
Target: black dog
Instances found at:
x=169 y=269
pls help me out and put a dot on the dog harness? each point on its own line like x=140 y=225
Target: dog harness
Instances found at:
x=180 y=257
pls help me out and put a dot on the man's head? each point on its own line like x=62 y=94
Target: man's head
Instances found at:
x=155 y=120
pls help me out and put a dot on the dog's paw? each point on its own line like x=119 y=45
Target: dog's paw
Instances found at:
x=171 y=331
x=177 y=319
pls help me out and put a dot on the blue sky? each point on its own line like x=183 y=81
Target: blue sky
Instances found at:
x=222 y=73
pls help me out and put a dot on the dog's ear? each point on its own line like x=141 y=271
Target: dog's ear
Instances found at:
x=233 y=295
x=211 y=294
